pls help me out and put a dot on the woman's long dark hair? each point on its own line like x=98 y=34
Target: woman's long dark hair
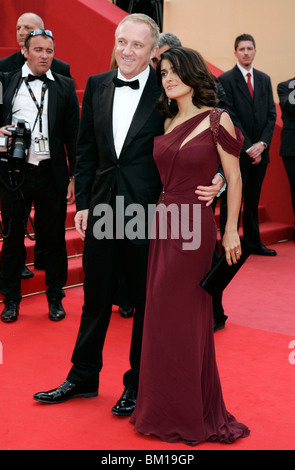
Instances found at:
x=192 y=70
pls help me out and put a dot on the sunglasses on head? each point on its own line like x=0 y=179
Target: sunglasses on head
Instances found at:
x=41 y=32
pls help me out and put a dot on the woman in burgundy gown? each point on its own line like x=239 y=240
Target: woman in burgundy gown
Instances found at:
x=180 y=396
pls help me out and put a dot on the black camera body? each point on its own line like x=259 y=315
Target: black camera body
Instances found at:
x=21 y=141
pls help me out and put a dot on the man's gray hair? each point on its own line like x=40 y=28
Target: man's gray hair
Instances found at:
x=142 y=18
x=170 y=39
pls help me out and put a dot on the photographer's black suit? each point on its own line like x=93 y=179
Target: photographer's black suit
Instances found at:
x=45 y=185
x=12 y=63
x=100 y=177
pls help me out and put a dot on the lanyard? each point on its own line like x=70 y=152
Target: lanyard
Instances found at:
x=41 y=107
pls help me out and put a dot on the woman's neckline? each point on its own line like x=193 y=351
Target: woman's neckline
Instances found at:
x=189 y=119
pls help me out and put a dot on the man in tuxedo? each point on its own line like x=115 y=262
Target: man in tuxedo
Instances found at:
x=26 y=23
x=48 y=102
x=252 y=109
x=286 y=92
x=115 y=160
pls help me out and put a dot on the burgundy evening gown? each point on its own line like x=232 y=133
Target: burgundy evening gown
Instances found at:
x=180 y=396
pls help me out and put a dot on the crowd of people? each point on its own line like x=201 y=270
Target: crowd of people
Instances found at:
x=157 y=129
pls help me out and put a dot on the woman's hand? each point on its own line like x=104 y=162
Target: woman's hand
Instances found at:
x=232 y=246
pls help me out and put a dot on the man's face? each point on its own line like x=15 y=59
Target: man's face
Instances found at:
x=40 y=54
x=245 y=53
x=133 y=48
x=158 y=53
x=25 y=24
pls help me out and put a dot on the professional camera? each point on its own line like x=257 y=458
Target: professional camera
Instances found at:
x=21 y=141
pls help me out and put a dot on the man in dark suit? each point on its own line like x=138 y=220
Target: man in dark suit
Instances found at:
x=48 y=102
x=115 y=170
x=286 y=92
x=252 y=109
x=26 y=23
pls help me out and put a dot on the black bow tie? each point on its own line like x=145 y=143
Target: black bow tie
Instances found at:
x=134 y=84
x=37 y=77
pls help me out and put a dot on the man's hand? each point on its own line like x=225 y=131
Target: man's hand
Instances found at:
x=4 y=132
x=208 y=193
x=81 y=219
x=255 y=152
x=71 y=191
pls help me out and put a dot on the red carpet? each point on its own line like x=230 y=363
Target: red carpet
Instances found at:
x=253 y=356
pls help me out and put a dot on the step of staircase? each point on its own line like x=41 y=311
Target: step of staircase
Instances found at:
x=271 y=232
x=262 y=214
x=73 y=240
x=36 y=284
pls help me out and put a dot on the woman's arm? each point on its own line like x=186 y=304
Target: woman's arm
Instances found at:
x=231 y=167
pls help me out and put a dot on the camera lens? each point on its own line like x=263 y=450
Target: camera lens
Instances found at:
x=19 y=149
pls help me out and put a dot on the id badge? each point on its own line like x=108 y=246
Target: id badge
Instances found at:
x=36 y=144
x=41 y=145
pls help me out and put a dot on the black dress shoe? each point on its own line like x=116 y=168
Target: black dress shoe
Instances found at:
x=10 y=312
x=126 y=312
x=65 y=392
x=263 y=251
x=126 y=404
x=26 y=273
x=56 y=310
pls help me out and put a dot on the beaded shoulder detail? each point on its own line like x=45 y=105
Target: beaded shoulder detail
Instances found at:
x=215 y=114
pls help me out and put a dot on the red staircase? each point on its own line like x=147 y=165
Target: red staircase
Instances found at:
x=271 y=232
x=37 y=284
x=275 y=213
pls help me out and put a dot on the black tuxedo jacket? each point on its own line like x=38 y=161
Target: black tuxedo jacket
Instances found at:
x=99 y=173
x=15 y=62
x=63 y=122
x=287 y=103
x=255 y=117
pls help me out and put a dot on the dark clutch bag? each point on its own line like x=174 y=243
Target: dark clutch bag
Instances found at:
x=221 y=274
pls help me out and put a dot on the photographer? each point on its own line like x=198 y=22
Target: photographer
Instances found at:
x=26 y=23
x=48 y=103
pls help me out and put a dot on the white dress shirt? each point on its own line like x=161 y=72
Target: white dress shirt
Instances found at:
x=25 y=108
x=124 y=106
